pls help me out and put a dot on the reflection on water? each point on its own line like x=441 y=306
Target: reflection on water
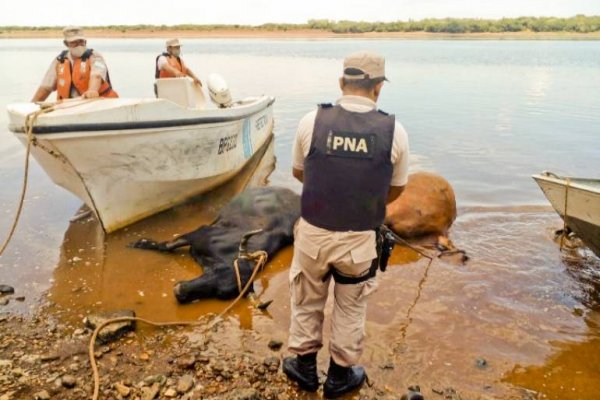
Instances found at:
x=571 y=372
x=98 y=272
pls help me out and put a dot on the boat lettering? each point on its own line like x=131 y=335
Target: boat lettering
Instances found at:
x=261 y=122
x=227 y=143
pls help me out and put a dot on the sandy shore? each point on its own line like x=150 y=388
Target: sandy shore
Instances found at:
x=41 y=358
x=296 y=34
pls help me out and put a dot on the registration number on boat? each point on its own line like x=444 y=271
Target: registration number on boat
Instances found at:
x=227 y=143
x=261 y=122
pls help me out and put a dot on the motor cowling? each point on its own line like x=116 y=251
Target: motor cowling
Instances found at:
x=218 y=90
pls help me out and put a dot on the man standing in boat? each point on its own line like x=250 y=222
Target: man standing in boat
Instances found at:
x=77 y=71
x=170 y=65
x=352 y=160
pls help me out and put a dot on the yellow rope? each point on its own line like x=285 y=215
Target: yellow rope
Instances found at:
x=29 y=123
x=238 y=278
x=30 y=120
x=259 y=257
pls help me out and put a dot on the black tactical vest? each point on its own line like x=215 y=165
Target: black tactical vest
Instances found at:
x=348 y=170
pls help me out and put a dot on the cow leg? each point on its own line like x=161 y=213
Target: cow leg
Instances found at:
x=261 y=305
x=149 y=244
x=202 y=287
x=217 y=281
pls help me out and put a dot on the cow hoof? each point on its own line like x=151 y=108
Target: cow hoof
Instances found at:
x=456 y=256
x=146 y=244
x=177 y=292
x=264 y=305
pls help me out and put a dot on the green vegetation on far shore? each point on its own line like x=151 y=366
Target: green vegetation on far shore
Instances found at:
x=576 y=24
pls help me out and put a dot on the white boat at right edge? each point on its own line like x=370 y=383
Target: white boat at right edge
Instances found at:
x=577 y=201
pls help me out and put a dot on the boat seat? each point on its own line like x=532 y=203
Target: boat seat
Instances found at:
x=181 y=91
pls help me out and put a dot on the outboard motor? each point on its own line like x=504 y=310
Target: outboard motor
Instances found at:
x=219 y=91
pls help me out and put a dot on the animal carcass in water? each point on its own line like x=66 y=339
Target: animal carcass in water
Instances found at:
x=274 y=210
x=426 y=207
x=426 y=210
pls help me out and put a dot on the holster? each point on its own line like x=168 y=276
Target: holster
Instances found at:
x=387 y=246
x=384 y=245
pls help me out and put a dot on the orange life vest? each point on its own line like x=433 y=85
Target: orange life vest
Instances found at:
x=78 y=76
x=175 y=62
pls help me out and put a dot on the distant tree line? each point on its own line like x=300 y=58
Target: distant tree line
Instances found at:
x=577 y=24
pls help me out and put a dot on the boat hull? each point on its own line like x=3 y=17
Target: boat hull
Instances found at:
x=578 y=203
x=126 y=175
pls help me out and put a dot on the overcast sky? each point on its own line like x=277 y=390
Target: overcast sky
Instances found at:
x=255 y=12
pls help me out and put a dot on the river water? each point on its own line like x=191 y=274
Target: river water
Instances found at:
x=484 y=114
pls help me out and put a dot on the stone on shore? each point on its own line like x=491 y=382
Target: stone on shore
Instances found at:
x=243 y=394
x=149 y=393
x=5 y=289
x=112 y=331
x=275 y=345
x=42 y=395
x=123 y=390
x=185 y=383
x=272 y=363
x=186 y=362
x=69 y=381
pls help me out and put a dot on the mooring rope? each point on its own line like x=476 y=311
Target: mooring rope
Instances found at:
x=565 y=225
x=259 y=257
x=29 y=123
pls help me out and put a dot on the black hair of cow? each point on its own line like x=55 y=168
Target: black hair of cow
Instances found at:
x=215 y=247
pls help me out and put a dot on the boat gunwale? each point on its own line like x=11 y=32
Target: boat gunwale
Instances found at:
x=141 y=125
x=577 y=183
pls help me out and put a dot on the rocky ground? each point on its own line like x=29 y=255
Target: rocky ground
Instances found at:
x=44 y=359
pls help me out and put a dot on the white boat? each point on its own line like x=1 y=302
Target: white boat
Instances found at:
x=131 y=158
x=577 y=201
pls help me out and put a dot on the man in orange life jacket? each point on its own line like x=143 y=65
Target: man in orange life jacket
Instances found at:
x=170 y=65
x=352 y=159
x=77 y=71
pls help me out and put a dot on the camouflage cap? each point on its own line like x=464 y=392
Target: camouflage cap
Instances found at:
x=173 y=43
x=73 y=33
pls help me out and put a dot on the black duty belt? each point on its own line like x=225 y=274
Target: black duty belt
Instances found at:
x=384 y=245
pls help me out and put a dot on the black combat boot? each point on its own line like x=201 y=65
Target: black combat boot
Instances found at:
x=303 y=370
x=341 y=380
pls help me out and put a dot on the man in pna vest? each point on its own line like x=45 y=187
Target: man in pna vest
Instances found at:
x=170 y=65
x=77 y=71
x=352 y=160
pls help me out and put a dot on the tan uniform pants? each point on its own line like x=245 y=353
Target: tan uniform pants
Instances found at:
x=317 y=250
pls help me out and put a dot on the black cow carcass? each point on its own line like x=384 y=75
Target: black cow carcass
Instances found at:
x=266 y=216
